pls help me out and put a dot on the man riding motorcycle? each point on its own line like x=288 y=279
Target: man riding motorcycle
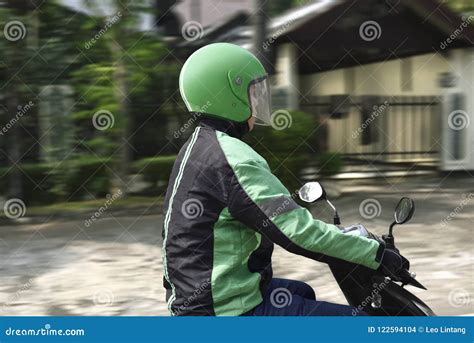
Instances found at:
x=224 y=209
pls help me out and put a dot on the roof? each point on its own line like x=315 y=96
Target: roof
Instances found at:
x=329 y=31
x=104 y=8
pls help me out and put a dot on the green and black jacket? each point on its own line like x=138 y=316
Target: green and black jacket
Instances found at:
x=224 y=209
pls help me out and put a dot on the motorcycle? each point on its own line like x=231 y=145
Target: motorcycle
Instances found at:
x=370 y=290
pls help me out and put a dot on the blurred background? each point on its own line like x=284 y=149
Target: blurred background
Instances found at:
x=374 y=98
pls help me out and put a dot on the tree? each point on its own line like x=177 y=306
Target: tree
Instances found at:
x=118 y=40
x=19 y=49
x=280 y=6
x=461 y=6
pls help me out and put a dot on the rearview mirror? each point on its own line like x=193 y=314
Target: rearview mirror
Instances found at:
x=404 y=210
x=311 y=191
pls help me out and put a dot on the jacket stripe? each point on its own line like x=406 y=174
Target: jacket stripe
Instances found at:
x=168 y=213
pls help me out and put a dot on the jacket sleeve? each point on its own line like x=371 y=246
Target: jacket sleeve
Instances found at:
x=259 y=200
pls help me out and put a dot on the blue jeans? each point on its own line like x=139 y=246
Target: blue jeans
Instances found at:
x=296 y=298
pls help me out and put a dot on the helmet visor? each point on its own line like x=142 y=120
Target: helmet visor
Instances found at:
x=260 y=101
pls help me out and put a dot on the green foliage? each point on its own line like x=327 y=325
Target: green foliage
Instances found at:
x=329 y=163
x=78 y=178
x=461 y=6
x=37 y=183
x=155 y=170
x=278 y=6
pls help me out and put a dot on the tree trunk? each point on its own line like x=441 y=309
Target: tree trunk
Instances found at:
x=121 y=86
x=13 y=141
x=118 y=48
x=260 y=25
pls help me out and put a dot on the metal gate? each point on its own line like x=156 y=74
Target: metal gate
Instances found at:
x=380 y=128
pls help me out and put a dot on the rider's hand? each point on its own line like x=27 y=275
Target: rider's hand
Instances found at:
x=393 y=262
x=356 y=230
x=360 y=230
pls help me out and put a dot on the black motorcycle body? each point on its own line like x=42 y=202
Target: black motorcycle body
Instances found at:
x=370 y=290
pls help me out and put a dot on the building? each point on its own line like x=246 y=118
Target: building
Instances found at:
x=394 y=76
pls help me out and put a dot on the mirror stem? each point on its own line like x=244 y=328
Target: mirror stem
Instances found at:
x=337 y=220
x=389 y=239
x=332 y=206
x=390 y=230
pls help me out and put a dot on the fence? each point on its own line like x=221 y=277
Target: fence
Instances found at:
x=380 y=128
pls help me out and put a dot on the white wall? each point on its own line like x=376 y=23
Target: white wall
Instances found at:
x=417 y=129
x=459 y=121
x=211 y=11
x=382 y=78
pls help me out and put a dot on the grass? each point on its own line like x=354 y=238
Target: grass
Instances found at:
x=85 y=206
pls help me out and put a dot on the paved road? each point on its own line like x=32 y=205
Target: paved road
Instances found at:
x=114 y=267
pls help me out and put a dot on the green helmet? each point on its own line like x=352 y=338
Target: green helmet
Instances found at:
x=225 y=81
